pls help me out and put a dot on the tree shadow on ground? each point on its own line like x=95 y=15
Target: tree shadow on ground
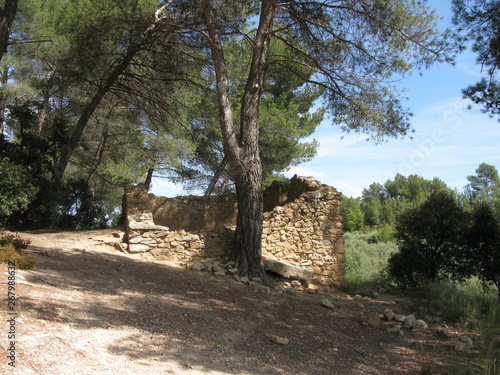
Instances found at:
x=205 y=322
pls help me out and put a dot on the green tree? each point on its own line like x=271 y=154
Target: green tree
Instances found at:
x=7 y=14
x=479 y=21
x=382 y=203
x=16 y=190
x=352 y=213
x=485 y=183
x=353 y=48
x=97 y=79
x=483 y=240
x=431 y=240
x=286 y=116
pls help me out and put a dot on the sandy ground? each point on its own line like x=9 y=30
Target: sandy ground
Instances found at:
x=89 y=309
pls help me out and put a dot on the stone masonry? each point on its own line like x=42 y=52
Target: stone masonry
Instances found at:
x=302 y=236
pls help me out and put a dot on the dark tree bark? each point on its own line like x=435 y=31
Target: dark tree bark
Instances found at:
x=7 y=15
x=242 y=151
x=217 y=175
x=4 y=78
x=149 y=178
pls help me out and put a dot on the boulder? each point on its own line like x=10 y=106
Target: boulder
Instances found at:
x=287 y=270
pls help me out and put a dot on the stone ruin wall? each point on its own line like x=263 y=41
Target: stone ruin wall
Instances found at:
x=302 y=228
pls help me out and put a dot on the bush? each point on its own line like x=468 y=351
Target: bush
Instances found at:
x=12 y=249
x=366 y=257
x=431 y=240
x=70 y=205
x=16 y=192
x=483 y=239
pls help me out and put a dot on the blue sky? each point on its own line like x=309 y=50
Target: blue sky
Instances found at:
x=450 y=141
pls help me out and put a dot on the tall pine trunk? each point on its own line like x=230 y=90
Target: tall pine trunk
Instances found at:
x=247 y=243
x=242 y=150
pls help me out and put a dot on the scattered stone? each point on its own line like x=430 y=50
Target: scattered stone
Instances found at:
x=409 y=321
x=257 y=279
x=362 y=298
x=279 y=340
x=292 y=291
x=244 y=279
x=361 y=306
x=217 y=268
x=376 y=294
x=327 y=303
x=419 y=324
x=296 y=283
x=389 y=314
x=138 y=248
x=237 y=278
x=265 y=290
x=198 y=266
x=312 y=291
x=233 y=271
x=394 y=329
x=399 y=318
x=220 y=273
x=463 y=344
x=372 y=319
x=252 y=283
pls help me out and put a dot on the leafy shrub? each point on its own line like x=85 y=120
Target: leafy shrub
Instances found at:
x=431 y=241
x=12 y=249
x=367 y=257
x=439 y=240
x=16 y=192
x=483 y=240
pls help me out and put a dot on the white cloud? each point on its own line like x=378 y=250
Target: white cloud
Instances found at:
x=165 y=188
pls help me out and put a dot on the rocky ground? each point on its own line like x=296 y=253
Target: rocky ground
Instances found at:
x=88 y=308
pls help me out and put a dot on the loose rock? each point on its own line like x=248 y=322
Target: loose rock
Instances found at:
x=463 y=344
x=389 y=314
x=372 y=319
x=326 y=302
x=409 y=321
x=419 y=324
x=279 y=340
x=399 y=318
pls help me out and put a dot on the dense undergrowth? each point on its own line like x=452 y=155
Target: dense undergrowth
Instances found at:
x=470 y=305
x=13 y=250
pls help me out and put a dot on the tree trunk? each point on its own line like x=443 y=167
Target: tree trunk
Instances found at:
x=149 y=178
x=45 y=105
x=247 y=251
x=62 y=163
x=243 y=151
x=6 y=19
x=3 y=102
x=218 y=173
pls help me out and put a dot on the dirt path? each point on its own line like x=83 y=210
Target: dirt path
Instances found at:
x=89 y=309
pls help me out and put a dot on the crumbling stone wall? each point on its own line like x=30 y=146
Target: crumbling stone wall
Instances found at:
x=307 y=231
x=302 y=236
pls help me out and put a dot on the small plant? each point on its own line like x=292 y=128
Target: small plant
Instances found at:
x=13 y=249
x=467 y=301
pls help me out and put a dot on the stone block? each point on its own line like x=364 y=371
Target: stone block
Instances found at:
x=138 y=248
x=287 y=270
